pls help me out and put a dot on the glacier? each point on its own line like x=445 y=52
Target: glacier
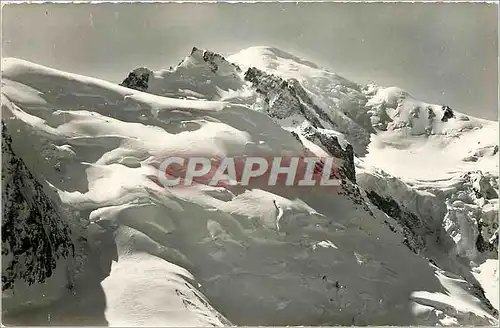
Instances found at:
x=411 y=238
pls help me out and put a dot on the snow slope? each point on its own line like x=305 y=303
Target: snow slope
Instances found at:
x=212 y=256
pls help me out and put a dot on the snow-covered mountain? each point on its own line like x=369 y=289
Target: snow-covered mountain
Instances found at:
x=411 y=238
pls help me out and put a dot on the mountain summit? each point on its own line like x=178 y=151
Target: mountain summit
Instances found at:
x=410 y=238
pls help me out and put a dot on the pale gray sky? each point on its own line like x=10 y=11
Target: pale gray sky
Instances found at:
x=441 y=53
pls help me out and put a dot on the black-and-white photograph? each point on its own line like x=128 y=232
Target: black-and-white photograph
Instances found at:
x=190 y=164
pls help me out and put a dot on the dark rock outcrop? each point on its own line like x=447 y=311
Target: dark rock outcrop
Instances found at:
x=34 y=236
x=486 y=245
x=286 y=98
x=137 y=79
x=481 y=185
x=211 y=58
x=332 y=145
x=407 y=220
x=448 y=113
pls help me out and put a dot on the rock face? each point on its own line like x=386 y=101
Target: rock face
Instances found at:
x=447 y=113
x=332 y=145
x=212 y=59
x=137 y=79
x=465 y=214
x=288 y=103
x=34 y=236
x=411 y=224
x=287 y=100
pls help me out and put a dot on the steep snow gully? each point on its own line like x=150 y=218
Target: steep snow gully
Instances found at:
x=90 y=237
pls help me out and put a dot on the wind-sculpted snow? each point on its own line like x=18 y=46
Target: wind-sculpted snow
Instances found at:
x=213 y=256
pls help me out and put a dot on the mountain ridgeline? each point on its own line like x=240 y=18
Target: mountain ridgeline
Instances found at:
x=410 y=237
x=295 y=108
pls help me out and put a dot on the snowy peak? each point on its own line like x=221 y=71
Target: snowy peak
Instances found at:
x=286 y=65
x=216 y=61
x=201 y=75
x=266 y=55
x=393 y=109
x=292 y=90
x=356 y=111
x=291 y=104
